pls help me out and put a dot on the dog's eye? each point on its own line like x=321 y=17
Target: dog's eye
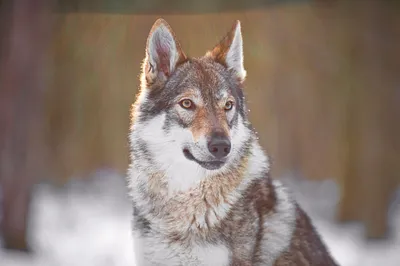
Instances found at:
x=186 y=103
x=228 y=105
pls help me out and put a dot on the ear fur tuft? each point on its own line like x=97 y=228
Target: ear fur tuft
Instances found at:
x=163 y=52
x=229 y=51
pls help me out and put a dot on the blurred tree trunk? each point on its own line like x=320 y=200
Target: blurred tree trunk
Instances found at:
x=25 y=31
x=372 y=161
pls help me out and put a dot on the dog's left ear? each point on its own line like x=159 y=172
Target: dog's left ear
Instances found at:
x=163 y=53
x=229 y=52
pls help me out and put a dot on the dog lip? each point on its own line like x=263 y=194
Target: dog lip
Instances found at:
x=209 y=165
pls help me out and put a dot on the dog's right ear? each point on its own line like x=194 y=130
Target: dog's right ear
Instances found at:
x=163 y=53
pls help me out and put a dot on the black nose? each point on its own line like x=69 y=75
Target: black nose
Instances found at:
x=219 y=146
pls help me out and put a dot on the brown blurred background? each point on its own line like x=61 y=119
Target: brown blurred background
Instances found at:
x=323 y=88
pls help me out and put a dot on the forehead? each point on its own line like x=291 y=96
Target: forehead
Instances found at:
x=202 y=78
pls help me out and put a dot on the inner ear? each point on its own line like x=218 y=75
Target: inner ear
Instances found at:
x=163 y=52
x=229 y=52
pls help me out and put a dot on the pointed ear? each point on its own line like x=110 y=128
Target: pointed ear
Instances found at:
x=163 y=52
x=229 y=52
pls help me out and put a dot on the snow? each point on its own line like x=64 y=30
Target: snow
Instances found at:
x=87 y=223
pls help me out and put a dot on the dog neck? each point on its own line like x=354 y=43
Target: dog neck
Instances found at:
x=202 y=206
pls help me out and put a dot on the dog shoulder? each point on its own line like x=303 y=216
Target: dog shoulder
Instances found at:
x=285 y=235
x=277 y=218
x=306 y=246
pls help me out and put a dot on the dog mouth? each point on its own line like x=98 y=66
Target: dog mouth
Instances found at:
x=209 y=165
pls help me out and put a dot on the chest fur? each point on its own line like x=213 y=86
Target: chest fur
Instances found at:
x=151 y=251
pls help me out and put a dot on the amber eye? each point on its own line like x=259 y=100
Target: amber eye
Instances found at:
x=186 y=103
x=228 y=105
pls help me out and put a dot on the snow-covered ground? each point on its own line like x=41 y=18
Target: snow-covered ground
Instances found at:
x=87 y=223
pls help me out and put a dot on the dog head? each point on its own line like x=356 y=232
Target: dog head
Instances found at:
x=190 y=114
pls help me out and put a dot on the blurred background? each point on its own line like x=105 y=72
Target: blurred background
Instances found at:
x=323 y=87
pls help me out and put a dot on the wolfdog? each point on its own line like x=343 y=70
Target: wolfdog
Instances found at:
x=198 y=178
